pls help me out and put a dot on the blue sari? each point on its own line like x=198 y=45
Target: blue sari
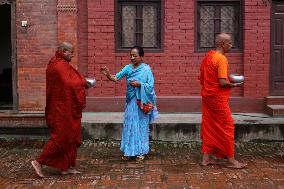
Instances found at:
x=135 y=132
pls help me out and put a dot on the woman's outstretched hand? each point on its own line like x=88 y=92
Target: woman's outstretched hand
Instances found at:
x=104 y=70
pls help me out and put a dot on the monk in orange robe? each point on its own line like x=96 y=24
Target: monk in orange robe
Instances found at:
x=217 y=129
x=65 y=100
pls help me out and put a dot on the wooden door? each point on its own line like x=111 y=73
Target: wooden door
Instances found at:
x=277 y=49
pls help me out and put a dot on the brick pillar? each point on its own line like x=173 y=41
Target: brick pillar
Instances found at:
x=67 y=25
x=256 y=48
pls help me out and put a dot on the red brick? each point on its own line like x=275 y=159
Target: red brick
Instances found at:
x=92 y=32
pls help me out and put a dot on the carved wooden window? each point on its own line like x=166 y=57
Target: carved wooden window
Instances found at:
x=138 y=23
x=214 y=17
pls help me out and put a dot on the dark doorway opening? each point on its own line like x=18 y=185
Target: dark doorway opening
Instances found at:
x=6 y=81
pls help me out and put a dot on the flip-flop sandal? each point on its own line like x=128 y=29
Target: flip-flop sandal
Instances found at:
x=125 y=158
x=140 y=159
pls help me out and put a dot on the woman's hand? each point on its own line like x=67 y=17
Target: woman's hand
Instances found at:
x=104 y=70
x=135 y=83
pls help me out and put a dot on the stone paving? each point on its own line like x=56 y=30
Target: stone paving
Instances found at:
x=169 y=165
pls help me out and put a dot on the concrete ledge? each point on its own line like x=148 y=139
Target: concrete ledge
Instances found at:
x=185 y=132
x=22 y=120
x=184 y=127
x=174 y=104
x=169 y=127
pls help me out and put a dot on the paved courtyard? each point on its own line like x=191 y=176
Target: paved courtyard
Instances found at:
x=169 y=165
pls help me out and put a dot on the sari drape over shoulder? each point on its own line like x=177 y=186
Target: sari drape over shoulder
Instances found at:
x=65 y=100
x=217 y=132
x=135 y=131
x=145 y=93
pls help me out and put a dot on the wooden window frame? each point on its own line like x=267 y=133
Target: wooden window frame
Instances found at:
x=118 y=24
x=239 y=24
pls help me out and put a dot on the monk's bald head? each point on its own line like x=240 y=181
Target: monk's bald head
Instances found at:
x=222 y=37
x=66 y=50
x=65 y=46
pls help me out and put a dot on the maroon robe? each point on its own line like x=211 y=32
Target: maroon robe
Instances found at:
x=65 y=100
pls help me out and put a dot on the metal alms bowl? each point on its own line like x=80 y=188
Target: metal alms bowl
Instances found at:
x=91 y=81
x=236 y=78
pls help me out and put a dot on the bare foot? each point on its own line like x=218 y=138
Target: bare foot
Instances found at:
x=236 y=165
x=208 y=162
x=73 y=171
x=64 y=172
x=70 y=171
x=37 y=166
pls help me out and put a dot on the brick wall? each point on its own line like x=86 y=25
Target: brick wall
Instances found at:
x=67 y=29
x=175 y=69
x=82 y=37
x=101 y=45
x=256 y=48
x=35 y=45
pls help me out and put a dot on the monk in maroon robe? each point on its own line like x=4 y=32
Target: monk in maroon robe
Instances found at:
x=65 y=100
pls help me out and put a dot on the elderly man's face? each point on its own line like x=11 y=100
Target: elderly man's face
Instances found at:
x=135 y=58
x=68 y=55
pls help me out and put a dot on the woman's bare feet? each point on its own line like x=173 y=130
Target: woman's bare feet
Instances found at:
x=37 y=166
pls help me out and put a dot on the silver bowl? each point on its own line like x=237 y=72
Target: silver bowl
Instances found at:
x=236 y=78
x=91 y=81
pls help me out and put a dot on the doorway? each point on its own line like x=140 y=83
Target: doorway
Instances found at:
x=277 y=49
x=6 y=86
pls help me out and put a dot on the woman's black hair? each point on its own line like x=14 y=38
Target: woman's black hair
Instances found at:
x=139 y=49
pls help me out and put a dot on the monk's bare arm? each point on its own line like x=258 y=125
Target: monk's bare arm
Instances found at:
x=225 y=84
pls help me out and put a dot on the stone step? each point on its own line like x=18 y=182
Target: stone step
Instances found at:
x=275 y=110
x=274 y=100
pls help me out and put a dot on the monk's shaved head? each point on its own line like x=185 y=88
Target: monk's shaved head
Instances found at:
x=65 y=46
x=220 y=38
x=66 y=50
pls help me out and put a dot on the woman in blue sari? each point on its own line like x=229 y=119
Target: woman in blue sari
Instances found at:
x=140 y=107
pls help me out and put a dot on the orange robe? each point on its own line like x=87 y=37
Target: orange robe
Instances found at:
x=65 y=100
x=217 y=128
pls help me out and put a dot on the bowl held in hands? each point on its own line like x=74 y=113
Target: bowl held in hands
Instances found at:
x=91 y=81
x=236 y=78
